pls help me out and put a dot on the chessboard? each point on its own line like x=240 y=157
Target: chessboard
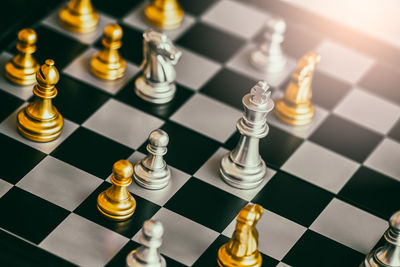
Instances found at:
x=331 y=186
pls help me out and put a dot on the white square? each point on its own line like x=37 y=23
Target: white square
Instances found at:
x=59 y=183
x=385 y=158
x=4 y=187
x=342 y=62
x=277 y=235
x=83 y=242
x=209 y=173
x=80 y=69
x=368 y=110
x=237 y=18
x=183 y=240
x=208 y=116
x=320 y=166
x=281 y=264
x=350 y=226
x=123 y=123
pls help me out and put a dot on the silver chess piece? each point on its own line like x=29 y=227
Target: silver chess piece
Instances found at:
x=268 y=56
x=147 y=255
x=243 y=167
x=152 y=172
x=389 y=254
x=156 y=84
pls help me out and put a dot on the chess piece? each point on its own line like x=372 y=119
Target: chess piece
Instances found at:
x=79 y=16
x=243 y=167
x=116 y=203
x=241 y=250
x=147 y=255
x=156 y=84
x=268 y=56
x=108 y=63
x=389 y=254
x=295 y=108
x=40 y=121
x=152 y=172
x=164 y=14
x=23 y=67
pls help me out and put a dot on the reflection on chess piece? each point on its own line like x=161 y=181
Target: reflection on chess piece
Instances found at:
x=295 y=108
x=40 y=121
x=147 y=255
x=108 y=63
x=79 y=16
x=23 y=67
x=241 y=250
x=389 y=254
x=164 y=14
x=116 y=203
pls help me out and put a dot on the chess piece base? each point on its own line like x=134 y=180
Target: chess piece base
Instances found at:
x=164 y=19
x=226 y=260
x=149 y=179
x=120 y=211
x=154 y=93
x=242 y=177
x=131 y=261
x=294 y=115
x=21 y=76
x=79 y=23
x=267 y=64
x=104 y=71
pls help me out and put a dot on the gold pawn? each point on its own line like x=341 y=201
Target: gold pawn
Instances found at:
x=116 y=203
x=295 y=108
x=79 y=16
x=40 y=121
x=108 y=63
x=23 y=67
x=241 y=250
x=164 y=14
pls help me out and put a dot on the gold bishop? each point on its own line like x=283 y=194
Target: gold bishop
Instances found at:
x=164 y=14
x=79 y=16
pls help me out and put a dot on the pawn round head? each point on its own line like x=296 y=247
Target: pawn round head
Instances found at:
x=113 y=33
x=277 y=25
x=395 y=221
x=158 y=138
x=27 y=36
x=48 y=75
x=122 y=169
x=153 y=229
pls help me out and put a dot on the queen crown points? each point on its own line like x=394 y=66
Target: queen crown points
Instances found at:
x=260 y=93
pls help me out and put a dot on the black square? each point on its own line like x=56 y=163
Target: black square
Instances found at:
x=372 y=191
x=29 y=216
x=293 y=198
x=346 y=138
x=211 y=42
x=76 y=100
x=118 y=8
x=395 y=131
x=8 y=104
x=18 y=161
x=144 y=211
x=206 y=204
x=187 y=150
x=229 y=87
x=196 y=7
x=91 y=152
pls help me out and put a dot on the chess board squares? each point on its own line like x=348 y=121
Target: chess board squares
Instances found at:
x=350 y=226
x=281 y=264
x=196 y=7
x=8 y=104
x=83 y=242
x=395 y=131
x=29 y=216
x=320 y=166
x=184 y=240
x=59 y=183
x=4 y=187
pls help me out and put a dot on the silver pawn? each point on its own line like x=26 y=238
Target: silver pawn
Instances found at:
x=147 y=255
x=389 y=254
x=243 y=167
x=152 y=172
x=268 y=56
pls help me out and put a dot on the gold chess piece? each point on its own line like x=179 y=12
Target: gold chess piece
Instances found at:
x=241 y=250
x=23 y=67
x=164 y=14
x=116 y=203
x=295 y=108
x=79 y=16
x=40 y=121
x=108 y=63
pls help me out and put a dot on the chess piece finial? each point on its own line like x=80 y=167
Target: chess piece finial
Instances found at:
x=156 y=84
x=164 y=14
x=23 y=67
x=295 y=108
x=79 y=16
x=151 y=239
x=268 y=56
x=152 y=172
x=108 y=63
x=116 y=203
x=40 y=121
x=389 y=254
x=241 y=250
x=243 y=167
